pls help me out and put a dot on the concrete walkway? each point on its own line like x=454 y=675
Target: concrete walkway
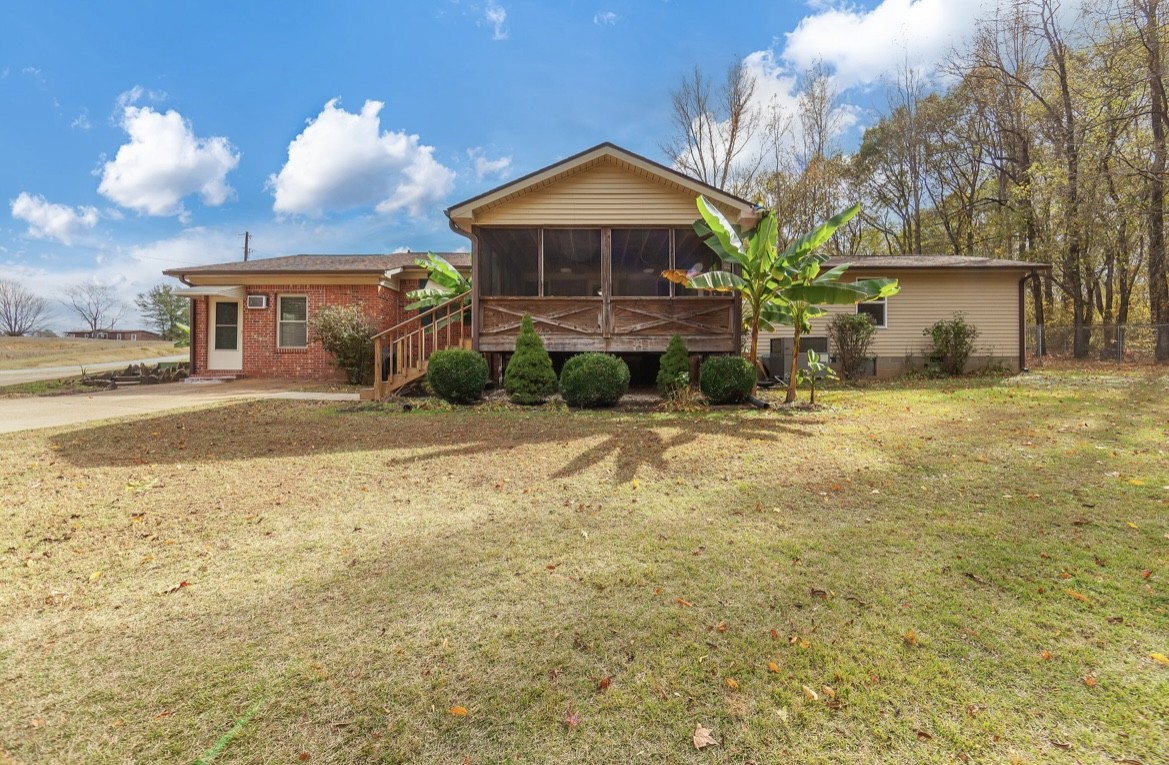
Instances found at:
x=18 y=414
x=34 y=374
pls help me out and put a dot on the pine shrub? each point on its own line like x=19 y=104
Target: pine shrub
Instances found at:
x=726 y=379
x=591 y=380
x=675 y=363
x=529 y=378
x=457 y=375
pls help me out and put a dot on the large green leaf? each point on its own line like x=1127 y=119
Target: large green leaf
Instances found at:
x=800 y=248
x=443 y=273
x=829 y=293
x=722 y=229
x=721 y=281
x=875 y=289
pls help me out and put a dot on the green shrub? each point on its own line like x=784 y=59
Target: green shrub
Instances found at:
x=457 y=375
x=851 y=335
x=346 y=333
x=529 y=378
x=951 y=344
x=675 y=363
x=593 y=380
x=726 y=379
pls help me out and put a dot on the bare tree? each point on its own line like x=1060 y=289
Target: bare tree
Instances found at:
x=98 y=305
x=20 y=310
x=713 y=130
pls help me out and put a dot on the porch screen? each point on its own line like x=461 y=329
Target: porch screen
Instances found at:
x=509 y=261
x=572 y=262
x=639 y=257
x=690 y=251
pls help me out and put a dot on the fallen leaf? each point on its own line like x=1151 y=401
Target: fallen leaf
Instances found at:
x=976 y=578
x=1116 y=620
x=95 y=576
x=1146 y=573
x=635 y=484
x=36 y=722
x=775 y=634
x=923 y=736
x=1046 y=655
x=605 y=683
x=772 y=667
x=732 y=683
x=910 y=637
x=818 y=593
x=811 y=694
x=164 y=713
x=458 y=711
x=1079 y=596
x=682 y=602
x=828 y=691
x=702 y=737
x=1136 y=482
x=304 y=756
x=1064 y=745
x=550 y=567
x=1160 y=658
x=571 y=719
x=1090 y=681
x=1132 y=525
x=177 y=587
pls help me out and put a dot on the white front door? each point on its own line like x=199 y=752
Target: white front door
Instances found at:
x=226 y=335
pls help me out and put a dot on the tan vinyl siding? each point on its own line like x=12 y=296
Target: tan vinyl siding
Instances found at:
x=603 y=194
x=988 y=299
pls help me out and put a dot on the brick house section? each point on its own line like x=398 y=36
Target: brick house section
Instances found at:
x=376 y=283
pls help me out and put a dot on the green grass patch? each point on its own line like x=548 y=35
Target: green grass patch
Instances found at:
x=964 y=570
x=62 y=386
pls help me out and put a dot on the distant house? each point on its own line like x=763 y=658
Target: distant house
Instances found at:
x=580 y=246
x=129 y=335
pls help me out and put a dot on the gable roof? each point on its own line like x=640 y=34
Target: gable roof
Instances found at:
x=318 y=264
x=464 y=211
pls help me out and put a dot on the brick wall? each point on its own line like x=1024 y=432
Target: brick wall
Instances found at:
x=261 y=357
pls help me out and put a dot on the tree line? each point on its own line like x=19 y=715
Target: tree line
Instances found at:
x=1047 y=144
x=97 y=306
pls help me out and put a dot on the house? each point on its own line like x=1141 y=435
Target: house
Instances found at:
x=988 y=293
x=129 y=335
x=250 y=318
x=580 y=246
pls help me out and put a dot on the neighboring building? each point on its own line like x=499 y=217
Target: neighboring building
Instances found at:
x=129 y=335
x=580 y=245
x=988 y=293
x=250 y=318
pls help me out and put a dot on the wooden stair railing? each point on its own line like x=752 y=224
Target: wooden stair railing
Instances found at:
x=411 y=342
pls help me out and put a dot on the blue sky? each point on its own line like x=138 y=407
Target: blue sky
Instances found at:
x=139 y=136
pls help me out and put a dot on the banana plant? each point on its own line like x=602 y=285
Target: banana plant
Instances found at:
x=817 y=370
x=444 y=283
x=779 y=288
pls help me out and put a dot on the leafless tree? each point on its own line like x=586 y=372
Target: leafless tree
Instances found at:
x=98 y=305
x=713 y=130
x=20 y=310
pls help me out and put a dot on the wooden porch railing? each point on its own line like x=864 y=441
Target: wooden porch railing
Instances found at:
x=411 y=342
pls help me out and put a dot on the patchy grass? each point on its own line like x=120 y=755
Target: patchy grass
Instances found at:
x=969 y=571
x=37 y=352
x=58 y=387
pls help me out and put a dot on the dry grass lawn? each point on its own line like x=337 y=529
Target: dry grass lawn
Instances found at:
x=927 y=572
x=38 y=352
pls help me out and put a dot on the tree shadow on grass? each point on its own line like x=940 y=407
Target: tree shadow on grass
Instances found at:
x=267 y=429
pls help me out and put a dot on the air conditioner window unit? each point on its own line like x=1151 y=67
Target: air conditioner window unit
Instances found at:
x=257 y=301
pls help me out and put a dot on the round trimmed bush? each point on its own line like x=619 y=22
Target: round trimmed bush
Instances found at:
x=675 y=363
x=726 y=379
x=457 y=375
x=529 y=378
x=591 y=380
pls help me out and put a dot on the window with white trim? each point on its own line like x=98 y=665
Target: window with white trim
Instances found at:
x=292 y=321
x=877 y=310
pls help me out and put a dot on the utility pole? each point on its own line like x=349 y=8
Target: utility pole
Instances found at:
x=247 y=250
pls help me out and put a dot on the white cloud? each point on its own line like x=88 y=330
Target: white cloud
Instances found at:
x=496 y=16
x=47 y=220
x=605 y=18
x=164 y=162
x=485 y=167
x=861 y=46
x=343 y=160
x=81 y=122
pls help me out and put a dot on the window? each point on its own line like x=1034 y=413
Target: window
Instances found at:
x=639 y=257
x=292 y=321
x=509 y=259
x=690 y=252
x=572 y=262
x=877 y=310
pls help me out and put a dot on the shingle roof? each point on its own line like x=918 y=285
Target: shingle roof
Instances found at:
x=302 y=264
x=934 y=261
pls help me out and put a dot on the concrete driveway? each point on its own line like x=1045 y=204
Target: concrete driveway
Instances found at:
x=18 y=414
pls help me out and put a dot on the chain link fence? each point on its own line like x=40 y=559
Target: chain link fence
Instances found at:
x=1126 y=343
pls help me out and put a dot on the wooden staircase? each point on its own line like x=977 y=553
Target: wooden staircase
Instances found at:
x=400 y=353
